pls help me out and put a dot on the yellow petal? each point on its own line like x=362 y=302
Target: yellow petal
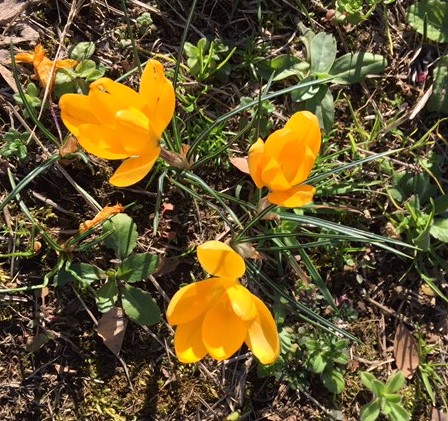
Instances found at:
x=242 y=303
x=223 y=332
x=158 y=94
x=195 y=299
x=255 y=161
x=273 y=175
x=304 y=167
x=307 y=124
x=24 y=58
x=262 y=336
x=133 y=170
x=221 y=260
x=76 y=110
x=137 y=135
x=293 y=198
x=66 y=64
x=108 y=97
x=188 y=342
x=101 y=141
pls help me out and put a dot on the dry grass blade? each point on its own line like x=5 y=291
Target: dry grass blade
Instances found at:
x=438 y=415
x=406 y=351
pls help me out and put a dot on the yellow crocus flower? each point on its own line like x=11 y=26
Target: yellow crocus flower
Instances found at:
x=115 y=122
x=217 y=315
x=285 y=160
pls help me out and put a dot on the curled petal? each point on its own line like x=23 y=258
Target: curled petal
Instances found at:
x=307 y=124
x=255 y=161
x=242 y=302
x=193 y=300
x=262 y=336
x=273 y=176
x=75 y=111
x=133 y=170
x=220 y=260
x=158 y=93
x=188 y=342
x=24 y=58
x=223 y=332
x=65 y=64
x=295 y=197
x=101 y=141
x=108 y=97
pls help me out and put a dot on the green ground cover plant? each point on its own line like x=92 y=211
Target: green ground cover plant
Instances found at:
x=222 y=212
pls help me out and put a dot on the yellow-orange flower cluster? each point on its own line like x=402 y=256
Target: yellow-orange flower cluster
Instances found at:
x=285 y=160
x=216 y=316
x=44 y=68
x=115 y=122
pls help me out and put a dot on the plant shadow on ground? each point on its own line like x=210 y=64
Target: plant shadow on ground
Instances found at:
x=54 y=366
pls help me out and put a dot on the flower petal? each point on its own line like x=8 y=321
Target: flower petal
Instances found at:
x=133 y=170
x=101 y=141
x=262 y=336
x=243 y=305
x=220 y=260
x=24 y=58
x=76 y=110
x=193 y=300
x=255 y=161
x=295 y=197
x=158 y=93
x=66 y=63
x=188 y=342
x=223 y=332
x=273 y=175
x=108 y=97
x=307 y=124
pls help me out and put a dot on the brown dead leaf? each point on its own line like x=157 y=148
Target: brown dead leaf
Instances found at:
x=8 y=77
x=438 y=415
x=406 y=351
x=241 y=164
x=10 y=9
x=112 y=327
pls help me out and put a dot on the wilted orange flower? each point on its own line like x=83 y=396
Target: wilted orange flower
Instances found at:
x=100 y=217
x=285 y=161
x=44 y=68
x=115 y=122
x=217 y=315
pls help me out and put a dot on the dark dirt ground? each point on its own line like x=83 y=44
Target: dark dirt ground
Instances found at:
x=73 y=376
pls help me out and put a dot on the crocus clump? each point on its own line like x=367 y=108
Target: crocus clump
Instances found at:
x=44 y=68
x=217 y=315
x=285 y=160
x=115 y=122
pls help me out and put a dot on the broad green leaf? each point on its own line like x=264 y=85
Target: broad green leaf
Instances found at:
x=139 y=305
x=333 y=380
x=396 y=412
x=438 y=101
x=439 y=229
x=371 y=411
x=396 y=382
x=107 y=296
x=122 y=236
x=354 y=67
x=82 y=51
x=435 y=13
x=323 y=52
x=308 y=92
x=283 y=66
x=319 y=363
x=137 y=267
x=82 y=273
x=322 y=106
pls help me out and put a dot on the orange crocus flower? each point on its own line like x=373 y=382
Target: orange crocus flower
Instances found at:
x=217 y=315
x=285 y=160
x=44 y=68
x=115 y=122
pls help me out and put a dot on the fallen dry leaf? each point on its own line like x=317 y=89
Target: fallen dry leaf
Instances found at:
x=241 y=164
x=112 y=327
x=406 y=351
x=8 y=77
x=438 y=415
x=10 y=9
